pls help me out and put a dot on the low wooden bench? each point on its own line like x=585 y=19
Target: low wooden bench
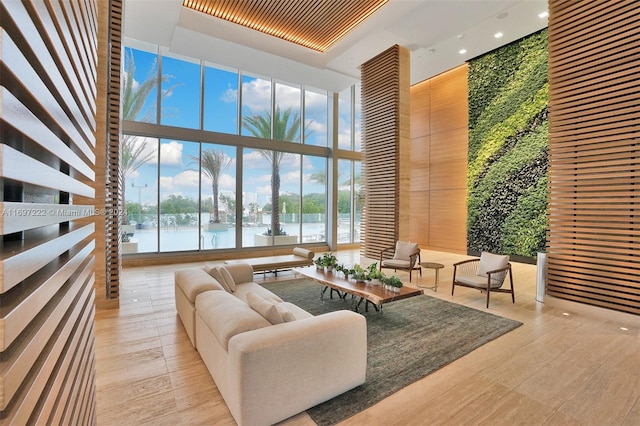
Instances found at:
x=299 y=257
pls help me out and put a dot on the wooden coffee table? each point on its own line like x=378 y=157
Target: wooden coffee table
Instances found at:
x=369 y=293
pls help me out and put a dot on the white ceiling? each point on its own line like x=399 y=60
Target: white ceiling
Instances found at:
x=434 y=32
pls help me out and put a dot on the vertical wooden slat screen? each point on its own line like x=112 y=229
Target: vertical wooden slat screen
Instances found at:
x=385 y=146
x=48 y=62
x=594 y=221
x=114 y=183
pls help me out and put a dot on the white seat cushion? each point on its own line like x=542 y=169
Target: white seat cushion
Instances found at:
x=226 y=315
x=477 y=281
x=395 y=263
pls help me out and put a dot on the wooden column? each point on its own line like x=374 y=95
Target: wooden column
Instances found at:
x=594 y=219
x=385 y=147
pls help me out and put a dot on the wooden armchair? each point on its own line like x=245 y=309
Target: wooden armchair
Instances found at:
x=406 y=257
x=487 y=273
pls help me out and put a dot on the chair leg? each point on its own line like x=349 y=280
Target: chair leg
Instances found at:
x=513 y=294
x=488 y=293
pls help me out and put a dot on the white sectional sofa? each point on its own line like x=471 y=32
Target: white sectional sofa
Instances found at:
x=269 y=358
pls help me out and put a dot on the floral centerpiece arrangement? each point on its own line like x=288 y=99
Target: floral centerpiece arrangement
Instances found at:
x=369 y=275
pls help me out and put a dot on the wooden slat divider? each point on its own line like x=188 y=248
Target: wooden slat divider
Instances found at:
x=43 y=286
x=80 y=113
x=22 y=120
x=48 y=91
x=26 y=259
x=23 y=168
x=594 y=216
x=72 y=369
x=76 y=44
x=39 y=54
x=385 y=143
x=23 y=216
x=15 y=368
x=114 y=181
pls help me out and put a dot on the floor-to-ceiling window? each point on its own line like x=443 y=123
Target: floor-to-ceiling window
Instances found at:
x=225 y=159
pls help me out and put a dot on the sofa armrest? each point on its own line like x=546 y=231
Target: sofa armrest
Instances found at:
x=278 y=371
x=241 y=272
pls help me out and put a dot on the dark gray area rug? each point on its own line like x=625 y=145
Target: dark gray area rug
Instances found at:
x=413 y=338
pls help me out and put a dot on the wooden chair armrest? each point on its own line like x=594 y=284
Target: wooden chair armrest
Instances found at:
x=413 y=258
x=466 y=266
x=496 y=271
x=388 y=249
x=465 y=261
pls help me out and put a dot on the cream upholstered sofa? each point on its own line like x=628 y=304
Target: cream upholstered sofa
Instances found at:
x=269 y=358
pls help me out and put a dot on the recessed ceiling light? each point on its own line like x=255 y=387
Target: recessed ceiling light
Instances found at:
x=543 y=15
x=502 y=15
x=498 y=35
x=462 y=51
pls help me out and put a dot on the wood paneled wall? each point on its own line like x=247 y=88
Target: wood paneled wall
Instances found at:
x=385 y=148
x=438 y=165
x=48 y=61
x=594 y=221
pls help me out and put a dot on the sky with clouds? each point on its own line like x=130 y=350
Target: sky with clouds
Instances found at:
x=177 y=160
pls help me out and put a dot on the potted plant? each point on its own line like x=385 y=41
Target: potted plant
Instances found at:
x=329 y=261
x=348 y=272
x=359 y=273
x=392 y=283
x=319 y=263
x=374 y=273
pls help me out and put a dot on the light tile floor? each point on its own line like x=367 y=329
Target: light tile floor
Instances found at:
x=565 y=365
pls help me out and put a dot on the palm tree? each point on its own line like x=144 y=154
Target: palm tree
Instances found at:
x=134 y=96
x=212 y=163
x=283 y=130
x=319 y=177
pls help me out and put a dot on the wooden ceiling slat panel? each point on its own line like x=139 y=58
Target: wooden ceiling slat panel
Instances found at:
x=313 y=24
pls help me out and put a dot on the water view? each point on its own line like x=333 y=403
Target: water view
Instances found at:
x=144 y=237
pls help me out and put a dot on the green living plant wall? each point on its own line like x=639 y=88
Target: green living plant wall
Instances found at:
x=508 y=149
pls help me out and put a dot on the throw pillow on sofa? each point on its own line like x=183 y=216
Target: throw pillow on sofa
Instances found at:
x=287 y=315
x=228 y=278
x=264 y=307
x=216 y=273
